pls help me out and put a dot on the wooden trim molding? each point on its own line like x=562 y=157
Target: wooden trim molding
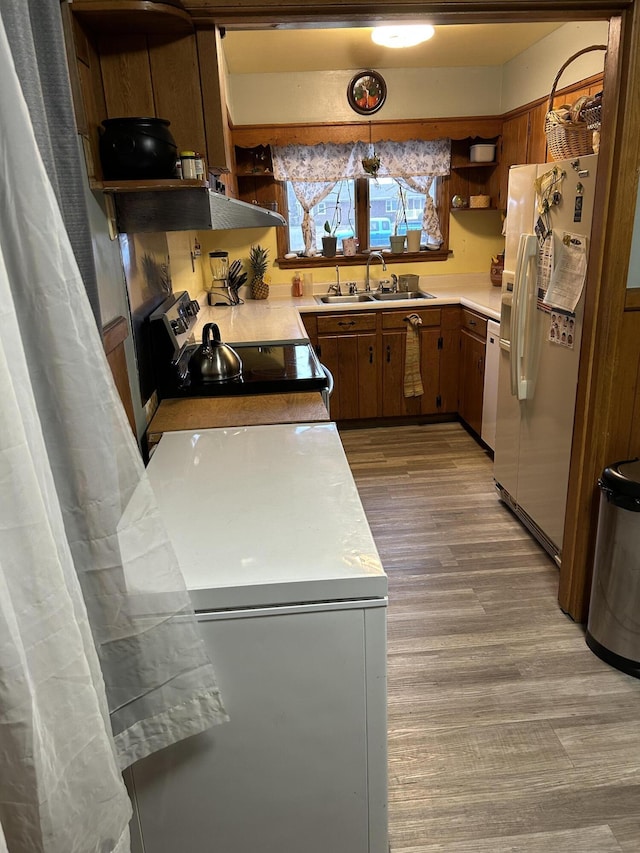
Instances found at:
x=632 y=299
x=252 y=135
x=114 y=335
x=370 y=12
x=601 y=434
x=595 y=79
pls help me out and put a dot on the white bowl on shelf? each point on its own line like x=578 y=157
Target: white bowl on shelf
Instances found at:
x=484 y=153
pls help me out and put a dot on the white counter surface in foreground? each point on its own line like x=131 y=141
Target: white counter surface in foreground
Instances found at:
x=278 y=318
x=265 y=515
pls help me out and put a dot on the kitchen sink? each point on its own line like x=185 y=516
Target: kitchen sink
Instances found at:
x=346 y=299
x=405 y=294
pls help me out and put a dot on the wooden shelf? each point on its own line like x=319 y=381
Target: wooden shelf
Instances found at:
x=147 y=185
x=265 y=174
x=134 y=16
x=473 y=209
x=471 y=165
x=361 y=259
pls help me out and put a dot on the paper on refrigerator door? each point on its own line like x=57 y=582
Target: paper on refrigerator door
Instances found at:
x=545 y=269
x=569 y=274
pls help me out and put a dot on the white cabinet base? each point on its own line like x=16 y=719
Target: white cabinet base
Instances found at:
x=302 y=764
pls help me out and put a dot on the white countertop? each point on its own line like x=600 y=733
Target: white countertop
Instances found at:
x=265 y=515
x=277 y=318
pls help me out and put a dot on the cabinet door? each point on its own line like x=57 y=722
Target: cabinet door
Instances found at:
x=352 y=361
x=394 y=403
x=449 y=370
x=430 y=363
x=472 y=352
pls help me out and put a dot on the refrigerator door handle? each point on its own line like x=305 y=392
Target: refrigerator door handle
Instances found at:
x=515 y=314
x=522 y=297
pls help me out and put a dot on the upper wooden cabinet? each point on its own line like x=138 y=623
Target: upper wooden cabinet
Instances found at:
x=126 y=64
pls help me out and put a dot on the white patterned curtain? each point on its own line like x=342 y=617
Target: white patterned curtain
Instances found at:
x=416 y=162
x=101 y=661
x=430 y=222
x=310 y=193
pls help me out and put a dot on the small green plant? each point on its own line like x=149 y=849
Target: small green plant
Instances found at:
x=331 y=227
x=401 y=212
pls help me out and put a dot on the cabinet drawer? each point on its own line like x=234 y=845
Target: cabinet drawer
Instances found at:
x=396 y=319
x=336 y=323
x=474 y=323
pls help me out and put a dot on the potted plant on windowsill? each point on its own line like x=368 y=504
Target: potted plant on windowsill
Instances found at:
x=397 y=240
x=329 y=240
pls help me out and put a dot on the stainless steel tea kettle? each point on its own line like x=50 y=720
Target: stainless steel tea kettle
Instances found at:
x=214 y=361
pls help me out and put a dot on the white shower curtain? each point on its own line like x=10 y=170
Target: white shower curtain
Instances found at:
x=100 y=659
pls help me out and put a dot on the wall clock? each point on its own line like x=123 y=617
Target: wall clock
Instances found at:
x=366 y=92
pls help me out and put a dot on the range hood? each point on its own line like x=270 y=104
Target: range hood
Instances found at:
x=188 y=209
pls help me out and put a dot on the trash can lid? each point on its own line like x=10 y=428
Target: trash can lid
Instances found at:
x=622 y=480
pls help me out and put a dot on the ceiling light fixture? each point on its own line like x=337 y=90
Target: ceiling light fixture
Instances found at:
x=407 y=36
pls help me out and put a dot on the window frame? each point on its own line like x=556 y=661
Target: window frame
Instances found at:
x=361 y=202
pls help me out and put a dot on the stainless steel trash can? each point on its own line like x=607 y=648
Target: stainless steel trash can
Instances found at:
x=613 y=628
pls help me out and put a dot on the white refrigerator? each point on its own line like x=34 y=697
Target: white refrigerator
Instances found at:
x=548 y=227
x=290 y=597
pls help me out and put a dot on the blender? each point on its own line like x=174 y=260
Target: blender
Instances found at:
x=218 y=292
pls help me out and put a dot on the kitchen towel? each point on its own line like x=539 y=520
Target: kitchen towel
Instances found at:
x=412 y=378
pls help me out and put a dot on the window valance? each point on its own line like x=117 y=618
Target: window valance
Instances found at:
x=336 y=161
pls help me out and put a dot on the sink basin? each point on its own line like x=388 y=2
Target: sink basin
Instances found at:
x=349 y=297
x=407 y=294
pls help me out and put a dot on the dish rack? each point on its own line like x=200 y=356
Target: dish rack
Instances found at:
x=567 y=137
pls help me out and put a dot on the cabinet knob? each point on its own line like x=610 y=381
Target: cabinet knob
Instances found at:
x=346 y=322
x=370 y=355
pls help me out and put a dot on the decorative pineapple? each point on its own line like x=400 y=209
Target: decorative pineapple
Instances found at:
x=258 y=262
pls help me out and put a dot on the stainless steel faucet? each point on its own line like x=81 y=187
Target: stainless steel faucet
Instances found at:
x=372 y=255
x=336 y=286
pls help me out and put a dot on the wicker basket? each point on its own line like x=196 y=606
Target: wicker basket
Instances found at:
x=479 y=201
x=572 y=138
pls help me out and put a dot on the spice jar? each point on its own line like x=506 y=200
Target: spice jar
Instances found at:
x=188 y=159
x=199 y=166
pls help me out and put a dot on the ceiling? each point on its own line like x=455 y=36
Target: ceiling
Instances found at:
x=270 y=51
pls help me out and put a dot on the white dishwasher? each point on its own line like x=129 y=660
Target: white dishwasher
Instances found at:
x=290 y=597
x=490 y=400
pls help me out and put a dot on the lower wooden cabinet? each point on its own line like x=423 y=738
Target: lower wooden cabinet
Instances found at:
x=366 y=353
x=473 y=341
x=352 y=359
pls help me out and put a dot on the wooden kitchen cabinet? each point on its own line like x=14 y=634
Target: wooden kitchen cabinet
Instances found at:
x=449 y=359
x=473 y=337
x=347 y=345
x=127 y=60
x=366 y=354
x=393 y=359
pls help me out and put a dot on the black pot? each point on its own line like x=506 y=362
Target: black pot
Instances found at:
x=137 y=148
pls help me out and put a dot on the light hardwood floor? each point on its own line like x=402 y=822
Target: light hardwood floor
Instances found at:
x=505 y=732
